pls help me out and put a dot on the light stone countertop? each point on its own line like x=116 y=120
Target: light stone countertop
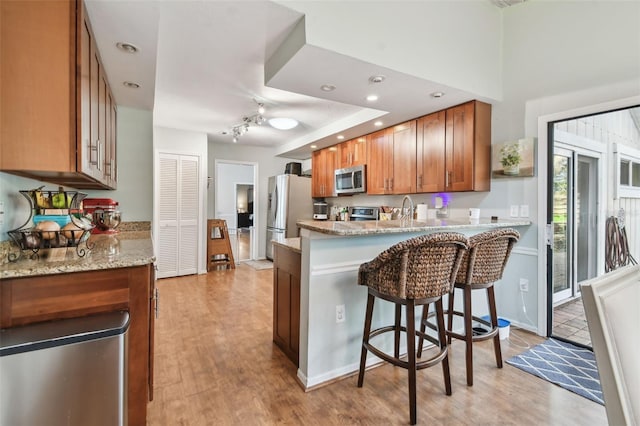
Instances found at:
x=122 y=250
x=369 y=227
x=289 y=243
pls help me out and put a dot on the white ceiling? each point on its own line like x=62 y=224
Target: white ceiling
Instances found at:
x=201 y=64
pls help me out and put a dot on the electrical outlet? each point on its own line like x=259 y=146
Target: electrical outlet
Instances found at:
x=340 y=313
x=524 y=210
x=1 y=213
x=524 y=285
x=515 y=211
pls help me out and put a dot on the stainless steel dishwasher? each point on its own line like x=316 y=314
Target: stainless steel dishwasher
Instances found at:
x=65 y=372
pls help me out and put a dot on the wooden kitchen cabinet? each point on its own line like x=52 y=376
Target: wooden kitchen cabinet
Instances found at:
x=468 y=147
x=55 y=96
x=430 y=166
x=50 y=297
x=286 y=301
x=353 y=152
x=391 y=160
x=324 y=162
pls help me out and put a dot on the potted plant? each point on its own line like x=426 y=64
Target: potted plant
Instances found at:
x=510 y=158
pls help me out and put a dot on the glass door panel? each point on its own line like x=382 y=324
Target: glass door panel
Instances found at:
x=562 y=217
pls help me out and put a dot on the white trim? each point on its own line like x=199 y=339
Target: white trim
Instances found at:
x=532 y=109
x=526 y=251
x=254 y=235
x=333 y=268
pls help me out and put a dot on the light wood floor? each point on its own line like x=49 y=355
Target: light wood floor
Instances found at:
x=216 y=365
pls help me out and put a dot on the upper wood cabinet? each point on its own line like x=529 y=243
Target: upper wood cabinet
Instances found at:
x=55 y=97
x=430 y=166
x=391 y=160
x=324 y=162
x=468 y=147
x=353 y=152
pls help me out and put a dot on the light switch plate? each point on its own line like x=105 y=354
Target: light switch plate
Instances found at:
x=524 y=210
x=514 y=211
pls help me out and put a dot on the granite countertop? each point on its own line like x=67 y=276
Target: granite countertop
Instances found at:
x=289 y=243
x=122 y=250
x=369 y=227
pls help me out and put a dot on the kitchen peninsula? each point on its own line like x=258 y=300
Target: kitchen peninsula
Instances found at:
x=331 y=253
x=116 y=274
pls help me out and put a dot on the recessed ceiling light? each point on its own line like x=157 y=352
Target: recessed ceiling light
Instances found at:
x=283 y=123
x=127 y=47
x=340 y=137
x=327 y=87
x=437 y=94
x=313 y=146
x=130 y=84
x=377 y=78
x=378 y=123
x=372 y=98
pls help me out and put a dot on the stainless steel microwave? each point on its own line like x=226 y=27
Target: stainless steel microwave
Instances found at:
x=351 y=180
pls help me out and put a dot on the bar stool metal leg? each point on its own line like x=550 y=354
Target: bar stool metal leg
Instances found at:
x=442 y=334
x=365 y=338
x=411 y=358
x=494 y=324
x=468 y=333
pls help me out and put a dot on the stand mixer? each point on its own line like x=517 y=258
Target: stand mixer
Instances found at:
x=104 y=214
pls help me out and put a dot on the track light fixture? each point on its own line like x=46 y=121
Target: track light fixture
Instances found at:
x=256 y=119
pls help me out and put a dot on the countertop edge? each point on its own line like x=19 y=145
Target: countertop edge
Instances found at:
x=292 y=244
x=394 y=227
x=130 y=250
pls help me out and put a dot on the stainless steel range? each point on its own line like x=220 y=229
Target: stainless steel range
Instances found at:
x=363 y=213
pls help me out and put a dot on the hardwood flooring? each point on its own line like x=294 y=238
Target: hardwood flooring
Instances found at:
x=215 y=364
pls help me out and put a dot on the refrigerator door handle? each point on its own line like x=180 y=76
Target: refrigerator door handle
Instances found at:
x=275 y=210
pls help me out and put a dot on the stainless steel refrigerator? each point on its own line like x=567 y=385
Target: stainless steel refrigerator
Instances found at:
x=289 y=201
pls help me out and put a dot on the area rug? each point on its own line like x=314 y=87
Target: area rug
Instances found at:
x=563 y=364
x=260 y=264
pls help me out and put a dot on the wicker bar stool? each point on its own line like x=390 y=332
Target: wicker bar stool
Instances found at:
x=415 y=272
x=482 y=265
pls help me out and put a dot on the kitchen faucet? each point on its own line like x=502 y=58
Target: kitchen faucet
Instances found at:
x=403 y=216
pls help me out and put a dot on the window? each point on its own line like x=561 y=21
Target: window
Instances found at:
x=628 y=168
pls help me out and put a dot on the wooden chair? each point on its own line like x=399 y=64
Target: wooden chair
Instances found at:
x=218 y=245
x=482 y=265
x=415 y=272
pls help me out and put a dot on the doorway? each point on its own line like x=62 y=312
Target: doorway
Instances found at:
x=235 y=202
x=583 y=165
x=575 y=221
x=244 y=223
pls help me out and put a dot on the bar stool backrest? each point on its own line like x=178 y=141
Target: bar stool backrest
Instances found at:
x=418 y=268
x=487 y=256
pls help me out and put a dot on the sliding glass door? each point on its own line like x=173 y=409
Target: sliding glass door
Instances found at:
x=575 y=221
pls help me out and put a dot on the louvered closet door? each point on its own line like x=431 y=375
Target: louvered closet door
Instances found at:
x=178 y=215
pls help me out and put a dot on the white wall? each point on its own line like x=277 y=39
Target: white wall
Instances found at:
x=135 y=172
x=268 y=165
x=558 y=56
x=135 y=166
x=455 y=43
x=226 y=179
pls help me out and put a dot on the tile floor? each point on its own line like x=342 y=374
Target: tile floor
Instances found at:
x=569 y=322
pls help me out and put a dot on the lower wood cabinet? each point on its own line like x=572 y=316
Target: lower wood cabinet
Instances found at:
x=286 y=301
x=44 y=298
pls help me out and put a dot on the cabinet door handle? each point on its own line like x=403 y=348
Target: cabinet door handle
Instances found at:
x=386 y=183
x=391 y=184
x=99 y=143
x=420 y=181
x=108 y=169
x=92 y=148
x=157 y=307
x=448 y=179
